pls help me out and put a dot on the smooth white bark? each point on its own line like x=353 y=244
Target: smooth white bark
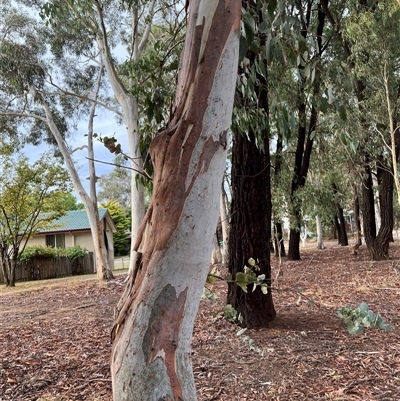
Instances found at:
x=320 y=242
x=92 y=213
x=151 y=352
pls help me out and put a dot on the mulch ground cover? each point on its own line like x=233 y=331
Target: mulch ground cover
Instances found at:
x=55 y=342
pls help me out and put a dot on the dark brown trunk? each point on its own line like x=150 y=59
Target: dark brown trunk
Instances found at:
x=378 y=245
x=250 y=228
x=342 y=227
x=357 y=219
x=340 y=222
x=304 y=137
x=338 y=232
x=294 y=244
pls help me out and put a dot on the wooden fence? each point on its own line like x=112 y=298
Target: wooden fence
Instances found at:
x=40 y=268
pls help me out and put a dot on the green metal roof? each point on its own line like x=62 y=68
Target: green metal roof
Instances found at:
x=74 y=220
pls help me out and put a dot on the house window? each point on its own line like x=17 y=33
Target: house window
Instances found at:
x=56 y=240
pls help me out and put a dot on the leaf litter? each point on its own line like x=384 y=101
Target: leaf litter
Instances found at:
x=55 y=343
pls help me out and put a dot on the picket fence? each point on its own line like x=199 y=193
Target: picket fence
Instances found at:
x=39 y=268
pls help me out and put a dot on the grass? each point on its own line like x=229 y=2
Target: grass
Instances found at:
x=121 y=265
x=65 y=282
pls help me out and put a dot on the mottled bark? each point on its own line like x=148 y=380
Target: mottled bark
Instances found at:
x=152 y=332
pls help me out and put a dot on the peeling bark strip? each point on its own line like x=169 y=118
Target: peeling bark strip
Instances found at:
x=153 y=330
x=173 y=150
x=161 y=338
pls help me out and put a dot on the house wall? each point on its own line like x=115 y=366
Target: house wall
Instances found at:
x=83 y=238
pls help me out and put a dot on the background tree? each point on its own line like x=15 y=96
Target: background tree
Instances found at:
x=29 y=202
x=116 y=186
x=68 y=201
x=97 y=28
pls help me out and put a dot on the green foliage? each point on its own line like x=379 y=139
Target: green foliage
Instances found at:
x=231 y=314
x=360 y=317
x=249 y=277
x=74 y=252
x=122 y=222
x=33 y=251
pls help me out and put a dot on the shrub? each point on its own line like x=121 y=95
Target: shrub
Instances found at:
x=37 y=250
x=75 y=252
x=32 y=251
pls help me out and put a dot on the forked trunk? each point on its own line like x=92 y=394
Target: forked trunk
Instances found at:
x=152 y=332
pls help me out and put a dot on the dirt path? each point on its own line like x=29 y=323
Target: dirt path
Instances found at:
x=55 y=342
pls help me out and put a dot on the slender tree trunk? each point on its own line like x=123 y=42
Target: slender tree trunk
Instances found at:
x=279 y=240
x=304 y=137
x=223 y=211
x=102 y=262
x=278 y=232
x=340 y=220
x=342 y=227
x=92 y=214
x=320 y=241
x=357 y=219
x=216 y=255
x=153 y=329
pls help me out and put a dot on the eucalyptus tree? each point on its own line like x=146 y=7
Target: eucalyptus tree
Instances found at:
x=137 y=43
x=367 y=36
x=29 y=83
x=116 y=185
x=152 y=333
x=30 y=197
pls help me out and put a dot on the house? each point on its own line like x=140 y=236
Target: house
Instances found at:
x=73 y=229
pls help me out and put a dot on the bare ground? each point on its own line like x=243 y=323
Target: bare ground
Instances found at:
x=55 y=340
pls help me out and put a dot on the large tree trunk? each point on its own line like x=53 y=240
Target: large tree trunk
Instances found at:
x=250 y=226
x=152 y=332
x=250 y=233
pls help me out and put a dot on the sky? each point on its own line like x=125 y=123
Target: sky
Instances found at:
x=105 y=125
